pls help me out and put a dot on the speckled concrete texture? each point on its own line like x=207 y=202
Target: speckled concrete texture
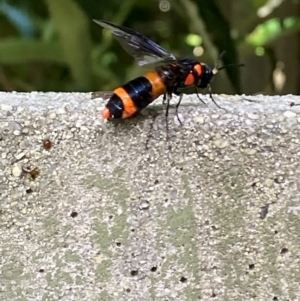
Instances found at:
x=95 y=210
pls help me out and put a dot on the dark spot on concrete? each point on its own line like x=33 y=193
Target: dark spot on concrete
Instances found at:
x=264 y=211
x=29 y=190
x=32 y=173
x=153 y=269
x=251 y=266
x=41 y=270
x=74 y=214
x=47 y=144
x=253 y=184
x=284 y=250
x=134 y=272
x=183 y=279
x=118 y=244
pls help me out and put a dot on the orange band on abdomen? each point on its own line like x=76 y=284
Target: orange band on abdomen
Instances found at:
x=158 y=86
x=129 y=106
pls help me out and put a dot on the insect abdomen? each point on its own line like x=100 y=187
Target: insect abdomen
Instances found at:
x=134 y=96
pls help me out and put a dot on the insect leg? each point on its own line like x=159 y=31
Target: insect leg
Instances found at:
x=164 y=99
x=168 y=97
x=197 y=92
x=177 y=106
x=211 y=97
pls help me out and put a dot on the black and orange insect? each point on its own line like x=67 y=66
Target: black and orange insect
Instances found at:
x=169 y=75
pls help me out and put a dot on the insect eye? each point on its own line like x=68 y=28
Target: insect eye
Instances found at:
x=204 y=80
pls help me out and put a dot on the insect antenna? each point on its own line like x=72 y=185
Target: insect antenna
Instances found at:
x=231 y=65
x=217 y=69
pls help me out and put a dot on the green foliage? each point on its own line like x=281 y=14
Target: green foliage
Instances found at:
x=273 y=29
x=54 y=45
x=219 y=30
x=15 y=51
x=73 y=27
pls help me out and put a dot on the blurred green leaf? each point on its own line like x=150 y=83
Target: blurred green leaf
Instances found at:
x=259 y=3
x=20 y=51
x=60 y=56
x=272 y=29
x=102 y=58
x=218 y=30
x=73 y=27
x=193 y=39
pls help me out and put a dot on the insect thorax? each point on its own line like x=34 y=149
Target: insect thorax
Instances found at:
x=172 y=74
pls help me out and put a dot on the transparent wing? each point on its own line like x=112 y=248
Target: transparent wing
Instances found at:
x=144 y=50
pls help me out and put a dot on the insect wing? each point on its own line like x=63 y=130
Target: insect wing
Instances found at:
x=144 y=50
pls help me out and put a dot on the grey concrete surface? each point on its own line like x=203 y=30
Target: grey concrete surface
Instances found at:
x=94 y=210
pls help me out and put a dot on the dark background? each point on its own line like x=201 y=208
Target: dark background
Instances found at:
x=53 y=45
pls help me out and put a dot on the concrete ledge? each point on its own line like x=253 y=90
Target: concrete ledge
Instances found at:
x=92 y=210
